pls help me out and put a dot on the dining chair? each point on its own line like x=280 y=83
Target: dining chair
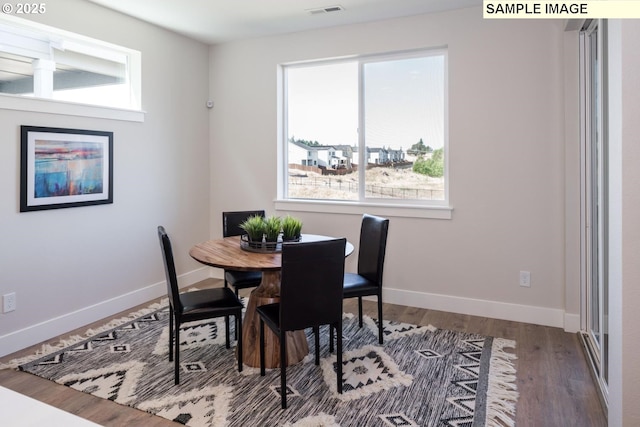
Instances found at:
x=368 y=280
x=310 y=296
x=231 y=227
x=195 y=305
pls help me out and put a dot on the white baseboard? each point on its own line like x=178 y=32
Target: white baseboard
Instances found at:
x=34 y=334
x=572 y=323
x=485 y=308
x=216 y=273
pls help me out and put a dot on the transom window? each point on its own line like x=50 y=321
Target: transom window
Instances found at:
x=368 y=129
x=44 y=62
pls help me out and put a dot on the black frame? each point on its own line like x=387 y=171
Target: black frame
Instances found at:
x=62 y=136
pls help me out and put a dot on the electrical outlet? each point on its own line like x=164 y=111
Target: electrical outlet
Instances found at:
x=9 y=302
x=525 y=279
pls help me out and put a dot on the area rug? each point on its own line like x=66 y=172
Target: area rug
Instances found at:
x=421 y=376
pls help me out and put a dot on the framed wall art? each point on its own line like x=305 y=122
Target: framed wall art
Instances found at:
x=65 y=168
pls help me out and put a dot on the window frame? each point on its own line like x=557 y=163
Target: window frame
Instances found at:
x=85 y=45
x=437 y=209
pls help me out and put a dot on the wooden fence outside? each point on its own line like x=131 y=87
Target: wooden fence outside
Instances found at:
x=371 y=190
x=322 y=171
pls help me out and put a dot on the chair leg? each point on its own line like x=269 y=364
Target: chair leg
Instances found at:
x=360 y=311
x=236 y=332
x=226 y=285
x=176 y=358
x=283 y=368
x=380 y=325
x=262 y=372
x=239 y=344
x=170 y=333
x=330 y=339
x=226 y=332
x=339 y=355
x=316 y=335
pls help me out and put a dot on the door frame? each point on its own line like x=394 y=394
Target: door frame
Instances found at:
x=595 y=348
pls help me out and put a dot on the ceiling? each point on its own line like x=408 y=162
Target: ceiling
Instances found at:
x=218 y=21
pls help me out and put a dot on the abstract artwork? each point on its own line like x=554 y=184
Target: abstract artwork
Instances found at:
x=62 y=168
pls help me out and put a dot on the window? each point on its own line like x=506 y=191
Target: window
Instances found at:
x=42 y=62
x=367 y=130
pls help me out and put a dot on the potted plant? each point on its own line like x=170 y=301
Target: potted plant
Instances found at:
x=255 y=228
x=273 y=225
x=291 y=228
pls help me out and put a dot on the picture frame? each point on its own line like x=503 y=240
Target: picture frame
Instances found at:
x=64 y=168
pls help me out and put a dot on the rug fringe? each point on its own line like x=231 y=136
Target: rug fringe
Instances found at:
x=502 y=393
x=47 y=349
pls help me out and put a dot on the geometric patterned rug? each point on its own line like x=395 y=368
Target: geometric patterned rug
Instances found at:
x=421 y=376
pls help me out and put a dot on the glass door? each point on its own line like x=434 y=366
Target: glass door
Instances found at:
x=594 y=211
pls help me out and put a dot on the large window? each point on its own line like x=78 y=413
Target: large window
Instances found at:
x=369 y=129
x=44 y=62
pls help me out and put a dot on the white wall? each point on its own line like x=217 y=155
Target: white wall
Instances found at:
x=624 y=227
x=630 y=221
x=507 y=158
x=70 y=267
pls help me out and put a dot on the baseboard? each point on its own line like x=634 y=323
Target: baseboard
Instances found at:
x=34 y=334
x=216 y=273
x=571 y=323
x=477 y=307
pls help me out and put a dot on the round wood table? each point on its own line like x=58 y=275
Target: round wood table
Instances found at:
x=227 y=254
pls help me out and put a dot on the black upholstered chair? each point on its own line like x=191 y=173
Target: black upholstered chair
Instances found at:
x=368 y=280
x=195 y=305
x=310 y=296
x=231 y=227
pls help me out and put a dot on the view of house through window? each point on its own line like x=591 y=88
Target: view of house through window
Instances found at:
x=367 y=128
x=40 y=61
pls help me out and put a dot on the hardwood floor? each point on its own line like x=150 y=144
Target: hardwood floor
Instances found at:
x=554 y=382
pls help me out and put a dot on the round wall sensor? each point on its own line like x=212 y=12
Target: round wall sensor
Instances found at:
x=209 y=104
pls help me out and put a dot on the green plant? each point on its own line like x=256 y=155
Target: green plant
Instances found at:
x=433 y=166
x=273 y=225
x=255 y=227
x=291 y=227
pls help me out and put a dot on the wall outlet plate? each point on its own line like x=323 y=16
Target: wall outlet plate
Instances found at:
x=9 y=302
x=525 y=279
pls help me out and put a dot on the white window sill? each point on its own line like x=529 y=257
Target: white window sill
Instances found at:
x=50 y=106
x=392 y=210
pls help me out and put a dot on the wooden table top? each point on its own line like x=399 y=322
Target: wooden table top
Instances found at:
x=226 y=253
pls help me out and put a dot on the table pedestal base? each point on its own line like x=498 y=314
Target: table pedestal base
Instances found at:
x=297 y=347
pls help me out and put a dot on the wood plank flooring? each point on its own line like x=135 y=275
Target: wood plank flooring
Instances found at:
x=554 y=382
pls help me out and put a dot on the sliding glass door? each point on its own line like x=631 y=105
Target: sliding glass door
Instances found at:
x=594 y=190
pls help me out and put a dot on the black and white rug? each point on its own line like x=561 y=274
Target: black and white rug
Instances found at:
x=421 y=376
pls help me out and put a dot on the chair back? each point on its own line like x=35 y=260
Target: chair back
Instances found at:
x=311 y=283
x=373 y=244
x=170 y=270
x=231 y=221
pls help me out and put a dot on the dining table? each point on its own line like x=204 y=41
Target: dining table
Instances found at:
x=230 y=253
